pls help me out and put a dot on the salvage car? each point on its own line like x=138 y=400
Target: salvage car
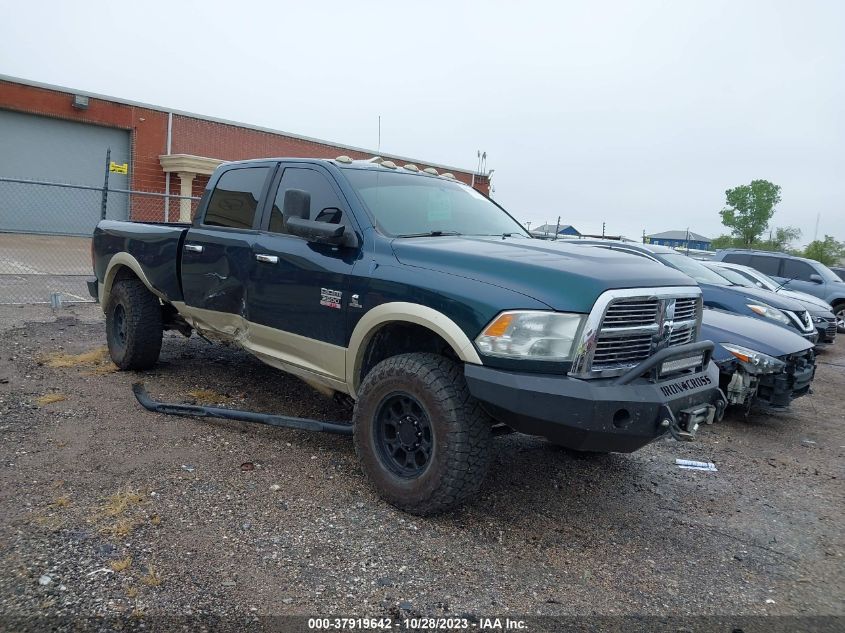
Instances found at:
x=760 y=364
x=795 y=273
x=720 y=293
x=820 y=311
x=426 y=304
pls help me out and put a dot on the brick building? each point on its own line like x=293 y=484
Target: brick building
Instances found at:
x=61 y=135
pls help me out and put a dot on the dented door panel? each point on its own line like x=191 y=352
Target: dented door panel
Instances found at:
x=216 y=266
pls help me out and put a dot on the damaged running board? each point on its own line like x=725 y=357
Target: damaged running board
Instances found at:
x=196 y=411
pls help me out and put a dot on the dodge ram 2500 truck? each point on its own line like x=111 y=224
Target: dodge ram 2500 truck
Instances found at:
x=427 y=304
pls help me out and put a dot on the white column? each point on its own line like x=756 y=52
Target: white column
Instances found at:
x=186 y=179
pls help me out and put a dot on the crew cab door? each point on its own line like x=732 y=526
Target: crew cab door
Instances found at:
x=217 y=256
x=297 y=295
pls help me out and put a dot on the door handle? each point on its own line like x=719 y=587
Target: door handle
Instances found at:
x=267 y=259
x=193 y=248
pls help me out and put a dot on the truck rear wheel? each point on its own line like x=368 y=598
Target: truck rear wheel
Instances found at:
x=422 y=439
x=133 y=325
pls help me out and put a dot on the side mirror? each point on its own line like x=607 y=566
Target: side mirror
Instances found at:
x=297 y=204
x=816 y=278
x=314 y=231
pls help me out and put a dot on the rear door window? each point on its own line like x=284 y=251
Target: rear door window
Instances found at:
x=795 y=269
x=737 y=258
x=766 y=265
x=234 y=201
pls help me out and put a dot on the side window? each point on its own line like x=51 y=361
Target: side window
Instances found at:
x=767 y=265
x=737 y=258
x=323 y=196
x=794 y=269
x=234 y=200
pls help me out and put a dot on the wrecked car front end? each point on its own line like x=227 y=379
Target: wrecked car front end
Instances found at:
x=759 y=364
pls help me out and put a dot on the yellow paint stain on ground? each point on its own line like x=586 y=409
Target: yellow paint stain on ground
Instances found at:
x=121 y=564
x=97 y=361
x=50 y=398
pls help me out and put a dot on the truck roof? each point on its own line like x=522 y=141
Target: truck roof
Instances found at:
x=345 y=162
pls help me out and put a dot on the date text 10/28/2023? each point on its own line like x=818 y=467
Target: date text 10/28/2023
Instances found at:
x=417 y=624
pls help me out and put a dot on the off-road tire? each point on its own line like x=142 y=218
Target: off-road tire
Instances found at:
x=459 y=428
x=133 y=325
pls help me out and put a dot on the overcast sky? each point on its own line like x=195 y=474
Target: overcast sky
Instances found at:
x=639 y=114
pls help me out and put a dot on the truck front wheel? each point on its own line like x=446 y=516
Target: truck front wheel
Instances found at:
x=133 y=325
x=422 y=439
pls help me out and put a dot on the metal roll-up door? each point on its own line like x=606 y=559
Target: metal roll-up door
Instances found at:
x=51 y=150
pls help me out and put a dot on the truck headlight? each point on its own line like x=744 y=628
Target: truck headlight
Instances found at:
x=769 y=312
x=756 y=362
x=531 y=334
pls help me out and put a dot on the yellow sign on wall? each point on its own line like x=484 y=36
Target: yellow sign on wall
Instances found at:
x=119 y=169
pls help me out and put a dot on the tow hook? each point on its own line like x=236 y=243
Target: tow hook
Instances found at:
x=683 y=427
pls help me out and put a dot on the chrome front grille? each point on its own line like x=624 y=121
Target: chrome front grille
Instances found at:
x=629 y=326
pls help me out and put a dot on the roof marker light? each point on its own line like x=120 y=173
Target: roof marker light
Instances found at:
x=430 y=170
x=389 y=164
x=377 y=160
x=343 y=159
x=449 y=175
x=411 y=167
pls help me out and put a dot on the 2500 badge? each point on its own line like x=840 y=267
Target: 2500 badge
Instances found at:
x=677 y=388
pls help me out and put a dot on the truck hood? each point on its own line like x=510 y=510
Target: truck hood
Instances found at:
x=768 y=338
x=564 y=277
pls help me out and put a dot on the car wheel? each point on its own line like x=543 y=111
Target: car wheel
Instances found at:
x=839 y=311
x=133 y=325
x=423 y=441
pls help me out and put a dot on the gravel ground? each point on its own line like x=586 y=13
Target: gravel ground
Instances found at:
x=111 y=511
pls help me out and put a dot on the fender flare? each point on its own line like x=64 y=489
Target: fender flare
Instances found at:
x=118 y=261
x=400 y=311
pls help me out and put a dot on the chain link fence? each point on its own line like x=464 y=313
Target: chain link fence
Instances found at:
x=45 y=234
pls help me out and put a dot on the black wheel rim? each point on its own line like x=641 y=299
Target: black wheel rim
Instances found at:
x=119 y=324
x=403 y=435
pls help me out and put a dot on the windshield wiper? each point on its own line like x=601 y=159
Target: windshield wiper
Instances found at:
x=430 y=234
x=785 y=283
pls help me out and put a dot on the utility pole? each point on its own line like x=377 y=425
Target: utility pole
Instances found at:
x=528 y=225
x=602 y=229
x=687 y=241
x=557 y=230
x=643 y=236
x=816 y=232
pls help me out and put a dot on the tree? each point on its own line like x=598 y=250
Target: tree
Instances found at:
x=723 y=241
x=749 y=209
x=780 y=239
x=783 y=237
x=827 y=251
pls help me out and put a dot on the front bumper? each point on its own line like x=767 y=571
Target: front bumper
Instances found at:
x=778 y=390
x=605 y=415
x=826 y=331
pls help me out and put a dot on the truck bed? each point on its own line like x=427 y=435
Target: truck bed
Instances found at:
x=156 y=246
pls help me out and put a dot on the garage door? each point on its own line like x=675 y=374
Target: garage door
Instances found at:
x=51 y=150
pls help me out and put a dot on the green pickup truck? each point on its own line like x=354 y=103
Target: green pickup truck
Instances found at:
x=427 y=305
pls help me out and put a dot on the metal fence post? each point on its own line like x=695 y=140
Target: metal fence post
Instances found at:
x=105 y=201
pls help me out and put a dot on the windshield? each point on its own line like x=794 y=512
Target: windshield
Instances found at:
x=409 y=205
x=733 y=276
x=755 y=275
x=693 y=268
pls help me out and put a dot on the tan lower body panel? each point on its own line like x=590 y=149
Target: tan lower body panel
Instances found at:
x=317 y=363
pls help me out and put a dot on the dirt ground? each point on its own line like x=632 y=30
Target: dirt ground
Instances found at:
x=109 y=510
